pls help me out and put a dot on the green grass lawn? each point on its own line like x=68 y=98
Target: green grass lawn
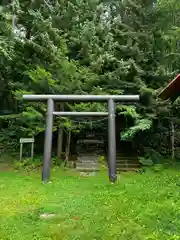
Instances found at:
x=139 y=206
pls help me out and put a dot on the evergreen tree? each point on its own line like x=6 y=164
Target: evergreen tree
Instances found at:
x=96 y=47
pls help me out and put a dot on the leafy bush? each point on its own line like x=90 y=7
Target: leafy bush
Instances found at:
x=28 y=163
x=103 y=162
x=141 y=125
x=57 y=161
x=145 y=161
x=158 y=167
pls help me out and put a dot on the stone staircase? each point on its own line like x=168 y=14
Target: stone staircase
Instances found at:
x=87 y=162
x=90 y=150
x=126 y=163
x=88 y=154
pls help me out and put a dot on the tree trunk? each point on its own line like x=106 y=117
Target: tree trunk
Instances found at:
x=60 y=136
x=172 y=139
x=68 y=144
x=60 y=142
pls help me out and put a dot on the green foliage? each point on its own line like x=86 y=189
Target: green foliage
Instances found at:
x=87 y=47
x=141 y=125
x=145 y=161
x=28 y=164
x=128 y=111
x=56 y=161
x=158 y=168
x=91 y=107
x=103 y=162
x=35 y=163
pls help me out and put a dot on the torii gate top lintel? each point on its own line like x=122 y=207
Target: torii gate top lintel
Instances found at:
x=82 y=98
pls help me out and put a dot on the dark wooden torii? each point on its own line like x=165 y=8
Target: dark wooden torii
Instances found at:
x=110 y=99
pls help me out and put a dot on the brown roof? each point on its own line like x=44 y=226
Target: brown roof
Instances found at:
x=171 y=90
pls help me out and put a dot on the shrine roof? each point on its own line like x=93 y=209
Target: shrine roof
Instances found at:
x=172 y=90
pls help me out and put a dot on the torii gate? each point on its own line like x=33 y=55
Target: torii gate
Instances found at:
x=111 y=99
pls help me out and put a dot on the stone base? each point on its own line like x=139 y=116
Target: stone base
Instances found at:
x=87 y=166
x=87 y=174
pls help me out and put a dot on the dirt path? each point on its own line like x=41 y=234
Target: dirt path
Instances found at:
x=5 y=167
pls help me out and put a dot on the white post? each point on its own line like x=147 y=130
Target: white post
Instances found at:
x=21 y=147
x=32 y=150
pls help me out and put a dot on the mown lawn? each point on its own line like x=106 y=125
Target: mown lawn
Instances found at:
x=139 y=206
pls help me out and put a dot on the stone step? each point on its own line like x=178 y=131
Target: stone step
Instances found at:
x=90 y=141
x=83 y=169
x=86 y=158
x=131 y=160
x=126 y=154
x=121 y=165
x=126 y=158
x=89 y=151
x=90 y=154
x=90 y=166
x=87 y=162
x=124 y=163
x=94 y=164
x=127 y=162
x=127 y=169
